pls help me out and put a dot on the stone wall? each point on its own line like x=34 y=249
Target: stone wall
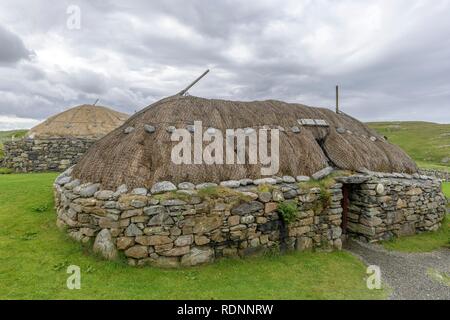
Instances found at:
x=33 y=155
x=187 y=225
x=386 y=206
x=443 y=175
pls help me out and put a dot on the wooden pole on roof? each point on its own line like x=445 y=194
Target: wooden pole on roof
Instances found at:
x=96 y=101
x=337 y=99
x=182 y=92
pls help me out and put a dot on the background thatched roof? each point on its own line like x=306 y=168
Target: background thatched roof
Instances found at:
x=141 y=159
x=85 y=121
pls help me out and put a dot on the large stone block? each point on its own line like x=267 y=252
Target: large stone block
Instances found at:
x=198 y=255
x=104 y=245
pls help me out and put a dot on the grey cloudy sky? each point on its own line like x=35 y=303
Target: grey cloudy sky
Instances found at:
x=391 y=58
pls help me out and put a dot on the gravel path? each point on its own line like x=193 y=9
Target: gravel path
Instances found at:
x=407 y=274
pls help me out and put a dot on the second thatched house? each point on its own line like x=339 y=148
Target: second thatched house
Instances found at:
x=59 y=141
x=336 y=178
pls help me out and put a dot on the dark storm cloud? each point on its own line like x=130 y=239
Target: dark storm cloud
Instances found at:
x=12 y=47
x=390 y=57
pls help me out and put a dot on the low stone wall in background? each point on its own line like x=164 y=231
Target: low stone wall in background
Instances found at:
x=189 y=225
x=443 y=175
x=33 y=155
x=387 y=206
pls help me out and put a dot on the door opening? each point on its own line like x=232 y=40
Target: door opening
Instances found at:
x=345 y=203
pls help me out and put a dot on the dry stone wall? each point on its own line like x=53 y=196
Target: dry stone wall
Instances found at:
x=443 y=175
x=33 y=155
x=389 y=206
x=187 y=225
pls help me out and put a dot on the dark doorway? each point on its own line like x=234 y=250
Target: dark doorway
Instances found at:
x=345 y=203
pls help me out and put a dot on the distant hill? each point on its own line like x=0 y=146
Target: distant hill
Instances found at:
x=8 y=135
x=426 y=142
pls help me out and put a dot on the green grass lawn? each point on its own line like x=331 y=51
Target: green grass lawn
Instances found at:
x=34 y=255
x=446 y=189
x=427 y=143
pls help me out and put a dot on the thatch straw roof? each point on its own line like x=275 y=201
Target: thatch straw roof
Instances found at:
x=84 y=121
x=138 y=158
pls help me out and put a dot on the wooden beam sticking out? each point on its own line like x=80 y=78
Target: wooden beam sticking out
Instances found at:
x=182 y=92
x=96 y=101
x=337 y=99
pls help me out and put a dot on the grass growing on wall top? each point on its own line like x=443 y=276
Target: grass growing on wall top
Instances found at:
x=34 y=256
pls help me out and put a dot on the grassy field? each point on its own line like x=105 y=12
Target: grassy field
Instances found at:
x=427 y=143
x=446 y=189
x=424 y=242
x=7 y=135
x=34 y=256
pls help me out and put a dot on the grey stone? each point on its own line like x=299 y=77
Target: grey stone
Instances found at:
x=173 y=202
x=150 y=211
x=161 y=219
x=290 y=194
x=354 y=179
x=104 y=194
x=186 y=186
x=182 y=241
x=341 y=130
x=110 y=205
x=277 y=195
x=62 y=180
x=73 y=184
x=247 y=219
x=132 y=230
x=205 y=185
x=170 y=129
x=248 y=207
x=288 y=179
x=303 y=243
x=163 y=186
x=322 y=173
x=230 y=184
x=122 y=189
x=137 y=203
x=198 y=255
x=128 y=130
x=139 y=191
x=88 y=190
x=104 y=245
x=149 y=128
x=264 y=181
x=303 y=178
x=265 y=196
x=245 y=182
x=295 y=129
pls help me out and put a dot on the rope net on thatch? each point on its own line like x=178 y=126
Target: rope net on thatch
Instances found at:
x=138 y=158
x=85 y=121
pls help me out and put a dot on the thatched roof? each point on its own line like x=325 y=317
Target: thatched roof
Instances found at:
x=85 y=121
x=138 y=158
